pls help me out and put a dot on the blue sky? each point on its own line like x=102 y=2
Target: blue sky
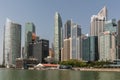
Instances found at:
x=41 y=13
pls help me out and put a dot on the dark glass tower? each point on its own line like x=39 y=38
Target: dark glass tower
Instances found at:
x=29 y=30
x=67 y=29
x=39 y=50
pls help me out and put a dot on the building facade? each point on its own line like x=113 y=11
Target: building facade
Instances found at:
x=67 y=29
x=58 y=37
x=39 y=50
x=111 y=26
x=118 y=42
x=66 y=51
x=29 y=30
x=75 y=43
x=97 y=22
x=12 y=43
x=93 y=48
x=67 y=36
x=85 y=48
x=107 y=46
x=90 y=48
x=51 y=53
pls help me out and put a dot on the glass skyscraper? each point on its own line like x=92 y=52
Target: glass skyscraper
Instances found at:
x=58 y=36
x=67 y=29
x=90 y=48
x=29 y=30
x=75 y=52
x=110 y=26
x=12 y=43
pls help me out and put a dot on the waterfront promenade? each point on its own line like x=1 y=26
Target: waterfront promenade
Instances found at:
x=97 y=69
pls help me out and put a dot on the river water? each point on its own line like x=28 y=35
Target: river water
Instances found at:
x=12 y=74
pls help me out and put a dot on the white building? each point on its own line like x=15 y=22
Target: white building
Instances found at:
x=12 y=43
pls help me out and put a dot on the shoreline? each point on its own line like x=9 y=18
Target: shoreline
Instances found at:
x=76 y=69
x=98 y=69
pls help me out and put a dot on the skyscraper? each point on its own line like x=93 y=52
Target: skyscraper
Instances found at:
x=85 y=48
x=67 y=35
x=90 y=48
x=39 y=50
x=67 y=29
x=111 y=26
x=12 y=43
x=107 y=46
x=58 y=38
x=98 y=21
x=29 y=30
x=75 y=43
x=97 y=24
x=118 y=43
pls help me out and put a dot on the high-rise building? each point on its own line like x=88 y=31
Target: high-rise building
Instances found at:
x=107 y=46
x=39 y=50
x=67 y=35
x=97 y=22
x=67 y=29
x=29 y=30
x=58 y=36
x=85 y=48
x=93 y=48
x=111 y=26
x=12 y=43
x=90 y=48
x=118 y=42
x=75 y=43
x=66 y=50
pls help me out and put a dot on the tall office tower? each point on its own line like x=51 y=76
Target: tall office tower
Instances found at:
x=111 y=26
x=29 y=30
x=107 y=46
x=39 y=50
x=85 y=48
x=118 y=43
x=66 y=47
x=75 y=43
x=97 y=22
x=67 y=29
x=90 y=48
x=93 y=48
x=12 y=43
x=58 y=38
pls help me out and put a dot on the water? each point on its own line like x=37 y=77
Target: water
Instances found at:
x=11 y=74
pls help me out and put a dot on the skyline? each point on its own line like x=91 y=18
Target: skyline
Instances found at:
x=41 y=13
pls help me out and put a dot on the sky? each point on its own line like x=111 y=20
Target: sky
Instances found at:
x=41 y=13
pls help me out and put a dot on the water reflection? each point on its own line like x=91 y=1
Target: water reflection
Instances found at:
x=9 y=74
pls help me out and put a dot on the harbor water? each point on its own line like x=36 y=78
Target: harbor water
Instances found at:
x=16 y=74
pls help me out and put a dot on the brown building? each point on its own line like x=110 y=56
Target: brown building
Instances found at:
x=26 y=63
x=51 y=52
x=66 y=50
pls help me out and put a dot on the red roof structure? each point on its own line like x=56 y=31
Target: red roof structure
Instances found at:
x=50 y=65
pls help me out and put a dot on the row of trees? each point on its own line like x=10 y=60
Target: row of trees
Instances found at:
x=77 y=63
